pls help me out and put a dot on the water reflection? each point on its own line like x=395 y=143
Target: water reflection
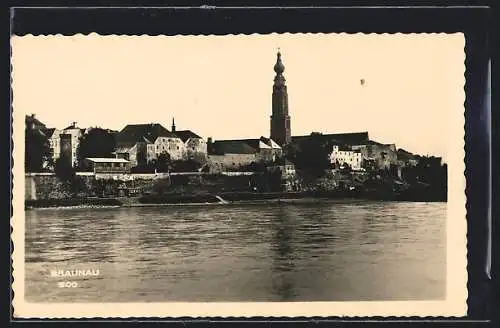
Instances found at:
x=283 y=254
x=331 y=251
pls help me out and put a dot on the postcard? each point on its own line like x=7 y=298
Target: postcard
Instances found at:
x=290 y=175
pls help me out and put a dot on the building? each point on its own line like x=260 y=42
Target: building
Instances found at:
x=382 y=155
x=234 y=154
x=289 y=180
x=141 y=143
x=280 y=120
x=194 y=145
x=54 y=138
x=406 y=159
x=108 y=165
x=33 y=123
x=343 y=155
x=65 y=142
x=355 y=149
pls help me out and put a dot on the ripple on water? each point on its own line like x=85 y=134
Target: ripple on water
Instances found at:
x=330 y=251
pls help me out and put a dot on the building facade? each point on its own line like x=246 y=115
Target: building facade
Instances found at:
x=108 y=165
x=288 y=175
x=382 y=155
x=234 y=154
x=65 y=143
x=280 y=120
x=195 y=148
x=142 y=143
x=344 y=155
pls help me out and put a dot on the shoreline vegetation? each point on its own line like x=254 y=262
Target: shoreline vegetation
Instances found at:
x=228 y=198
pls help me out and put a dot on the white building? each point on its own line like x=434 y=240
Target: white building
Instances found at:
x=65 y=140
x=194 y=146
x=343 y=156
x=141 y=143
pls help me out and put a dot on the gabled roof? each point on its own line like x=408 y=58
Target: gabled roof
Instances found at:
x=243 y=146
x=263 y=145
x=342 y=138
x=184 y=135
x=133 y=133
x=270 y=142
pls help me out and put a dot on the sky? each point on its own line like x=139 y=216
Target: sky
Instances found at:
x=221 y=86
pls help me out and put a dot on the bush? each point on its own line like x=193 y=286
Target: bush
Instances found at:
x=64 y=170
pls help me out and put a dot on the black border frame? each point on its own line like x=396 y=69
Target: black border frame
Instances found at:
x=220 y=17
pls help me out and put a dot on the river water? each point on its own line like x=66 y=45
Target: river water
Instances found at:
x=329 y=251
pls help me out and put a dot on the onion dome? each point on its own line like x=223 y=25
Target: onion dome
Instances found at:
x=279 y=68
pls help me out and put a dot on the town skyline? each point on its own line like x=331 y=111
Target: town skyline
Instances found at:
x=350 y=101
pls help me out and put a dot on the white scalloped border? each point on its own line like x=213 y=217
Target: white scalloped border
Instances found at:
x=454 y=306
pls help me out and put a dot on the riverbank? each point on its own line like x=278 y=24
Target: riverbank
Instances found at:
x=226 y=198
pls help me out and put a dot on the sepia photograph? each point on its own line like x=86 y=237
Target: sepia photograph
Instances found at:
x=239 y=175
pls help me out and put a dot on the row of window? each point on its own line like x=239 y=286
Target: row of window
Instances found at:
x=110 y=165
x=165 y=148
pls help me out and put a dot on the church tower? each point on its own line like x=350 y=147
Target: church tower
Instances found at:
x=280 y=120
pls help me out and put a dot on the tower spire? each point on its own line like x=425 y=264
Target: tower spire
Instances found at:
x=173 y=124
x=280 y=120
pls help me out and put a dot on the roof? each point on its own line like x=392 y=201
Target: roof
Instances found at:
x=184 y=135
x=243 y=146
x=133 y=133
x=270 y=142
x=106 y=160
x=49 y=132
x=345 y=138
x=71 y=127
x=233 y=147
x=31 y=119
x=404 y=155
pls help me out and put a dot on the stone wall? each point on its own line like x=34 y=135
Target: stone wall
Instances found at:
x=220 y=163
x=50 y=187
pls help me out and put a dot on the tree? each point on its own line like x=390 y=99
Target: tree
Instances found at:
x=254 y=167
x=274 y=179
x=163 y=163
x=37 y=151
x=346 y=168
x=64 y=170
x=188 y=165
x=313 y=155
x=97 y=142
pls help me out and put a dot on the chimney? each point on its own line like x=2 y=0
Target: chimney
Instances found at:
x=32 y=115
